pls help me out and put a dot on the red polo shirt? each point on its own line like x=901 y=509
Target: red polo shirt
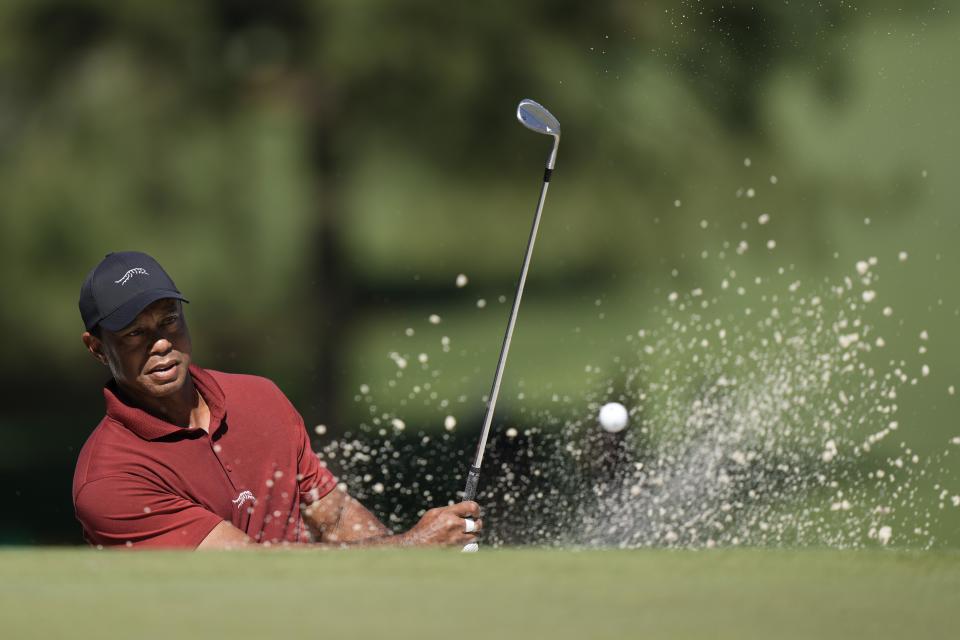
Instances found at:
x=143 y=482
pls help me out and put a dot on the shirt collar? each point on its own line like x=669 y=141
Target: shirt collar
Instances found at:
x=150 y=427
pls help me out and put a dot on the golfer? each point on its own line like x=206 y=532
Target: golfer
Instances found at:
x=188 y=457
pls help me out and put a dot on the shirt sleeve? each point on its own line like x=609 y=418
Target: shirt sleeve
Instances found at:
x=314 y=479
x=131 y=511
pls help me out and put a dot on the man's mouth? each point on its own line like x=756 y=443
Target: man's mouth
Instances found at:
x=164 y=371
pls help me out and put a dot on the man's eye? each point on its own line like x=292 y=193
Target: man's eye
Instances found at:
x=170 y=319
x=134 y=333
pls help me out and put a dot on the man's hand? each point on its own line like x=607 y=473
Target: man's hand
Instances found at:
x=445 y=526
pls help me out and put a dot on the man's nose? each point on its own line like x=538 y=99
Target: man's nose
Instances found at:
x=160 y=344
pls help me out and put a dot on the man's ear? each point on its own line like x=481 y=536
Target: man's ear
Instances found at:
x=94 y=346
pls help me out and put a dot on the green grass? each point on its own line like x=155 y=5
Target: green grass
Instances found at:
x=508 y=593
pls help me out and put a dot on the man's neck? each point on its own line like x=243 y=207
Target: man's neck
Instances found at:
x=186 y=408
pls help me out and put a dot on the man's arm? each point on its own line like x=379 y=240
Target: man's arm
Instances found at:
x=338 y=517
x=340 y=520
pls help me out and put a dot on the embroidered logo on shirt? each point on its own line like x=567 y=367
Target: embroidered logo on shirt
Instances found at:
x=243 y=497
x=136 y=271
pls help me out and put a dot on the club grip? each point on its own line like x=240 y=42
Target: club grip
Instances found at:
x=473 y=478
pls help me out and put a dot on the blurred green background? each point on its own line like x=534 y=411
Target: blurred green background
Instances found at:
x=316 y=174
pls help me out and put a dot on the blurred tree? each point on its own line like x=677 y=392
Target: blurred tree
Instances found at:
x=244 y=141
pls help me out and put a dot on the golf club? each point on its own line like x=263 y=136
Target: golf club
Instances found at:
x=536 y=118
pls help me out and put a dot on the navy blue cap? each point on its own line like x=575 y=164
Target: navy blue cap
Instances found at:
x=122 y=286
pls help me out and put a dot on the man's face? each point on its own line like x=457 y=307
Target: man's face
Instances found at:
x=150 y=356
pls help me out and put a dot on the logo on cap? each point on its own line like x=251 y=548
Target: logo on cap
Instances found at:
x=136 y=271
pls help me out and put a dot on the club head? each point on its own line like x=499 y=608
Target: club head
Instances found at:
x=534 y=116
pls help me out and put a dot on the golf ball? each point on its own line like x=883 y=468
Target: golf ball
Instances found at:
x=613 y=417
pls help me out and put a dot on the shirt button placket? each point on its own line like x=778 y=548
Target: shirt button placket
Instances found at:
x=218 y=449
x=219 y=452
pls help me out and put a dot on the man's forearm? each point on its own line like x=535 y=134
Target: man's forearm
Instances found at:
x=354 y=523
x=227 y=537
x=337 y=518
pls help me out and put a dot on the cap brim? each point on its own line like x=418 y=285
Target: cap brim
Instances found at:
x=129 y=310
